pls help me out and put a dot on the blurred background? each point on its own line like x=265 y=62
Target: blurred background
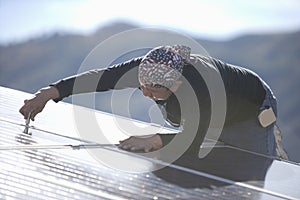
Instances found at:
x=44 y=41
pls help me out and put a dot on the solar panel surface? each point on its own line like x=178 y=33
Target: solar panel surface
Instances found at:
x=54 y=163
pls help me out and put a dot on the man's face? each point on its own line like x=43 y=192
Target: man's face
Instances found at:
x=156 y=92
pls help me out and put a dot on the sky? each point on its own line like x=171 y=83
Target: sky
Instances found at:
x=210 y=19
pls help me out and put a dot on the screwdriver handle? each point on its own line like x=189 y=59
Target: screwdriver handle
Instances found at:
x=27 y=122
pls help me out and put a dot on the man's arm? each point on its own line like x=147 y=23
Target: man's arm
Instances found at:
x=115 y=77
x=118 y=76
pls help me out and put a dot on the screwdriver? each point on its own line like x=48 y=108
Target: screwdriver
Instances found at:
x=27 y=124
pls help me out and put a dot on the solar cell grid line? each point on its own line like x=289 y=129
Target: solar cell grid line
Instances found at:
x=66 y=185
x=160 y=196
x=18 y=188
x=8 y=134
x=7 y=194
x=54 y=146
x=50 y=193
x=143 y=181
x=56 y=172
x=203 y=174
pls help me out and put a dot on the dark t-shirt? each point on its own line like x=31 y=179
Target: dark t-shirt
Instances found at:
x=190 y=105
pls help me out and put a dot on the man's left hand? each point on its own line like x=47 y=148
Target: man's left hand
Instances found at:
x=145 y=144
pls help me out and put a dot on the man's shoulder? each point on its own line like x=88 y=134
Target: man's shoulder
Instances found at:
x=132 y=62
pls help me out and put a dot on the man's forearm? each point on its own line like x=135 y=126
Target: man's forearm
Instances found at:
x=48 y=93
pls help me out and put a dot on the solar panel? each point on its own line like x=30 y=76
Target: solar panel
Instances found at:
x=54 y=163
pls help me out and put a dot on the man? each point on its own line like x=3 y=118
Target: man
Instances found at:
x=169 y=75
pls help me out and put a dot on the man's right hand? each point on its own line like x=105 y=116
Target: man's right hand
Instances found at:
x=37 y=103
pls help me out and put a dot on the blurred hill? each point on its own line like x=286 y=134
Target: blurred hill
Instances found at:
x=31 y=65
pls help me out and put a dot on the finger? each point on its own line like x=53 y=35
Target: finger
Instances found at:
x=25 y=109
x=121 y=141
x=127 y=140
x=128 y=146
x=140 y=148
x=124 y=146
x=33 y=114
x=25 y=113
x=147 y=148
x=126 y=143
x=22 y=110
x=28 y=113
x=135 y=147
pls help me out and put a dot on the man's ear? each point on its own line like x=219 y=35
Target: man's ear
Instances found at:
x=175 y=86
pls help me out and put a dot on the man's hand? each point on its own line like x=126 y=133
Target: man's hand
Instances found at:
x=37 y=103
x=145 y=144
